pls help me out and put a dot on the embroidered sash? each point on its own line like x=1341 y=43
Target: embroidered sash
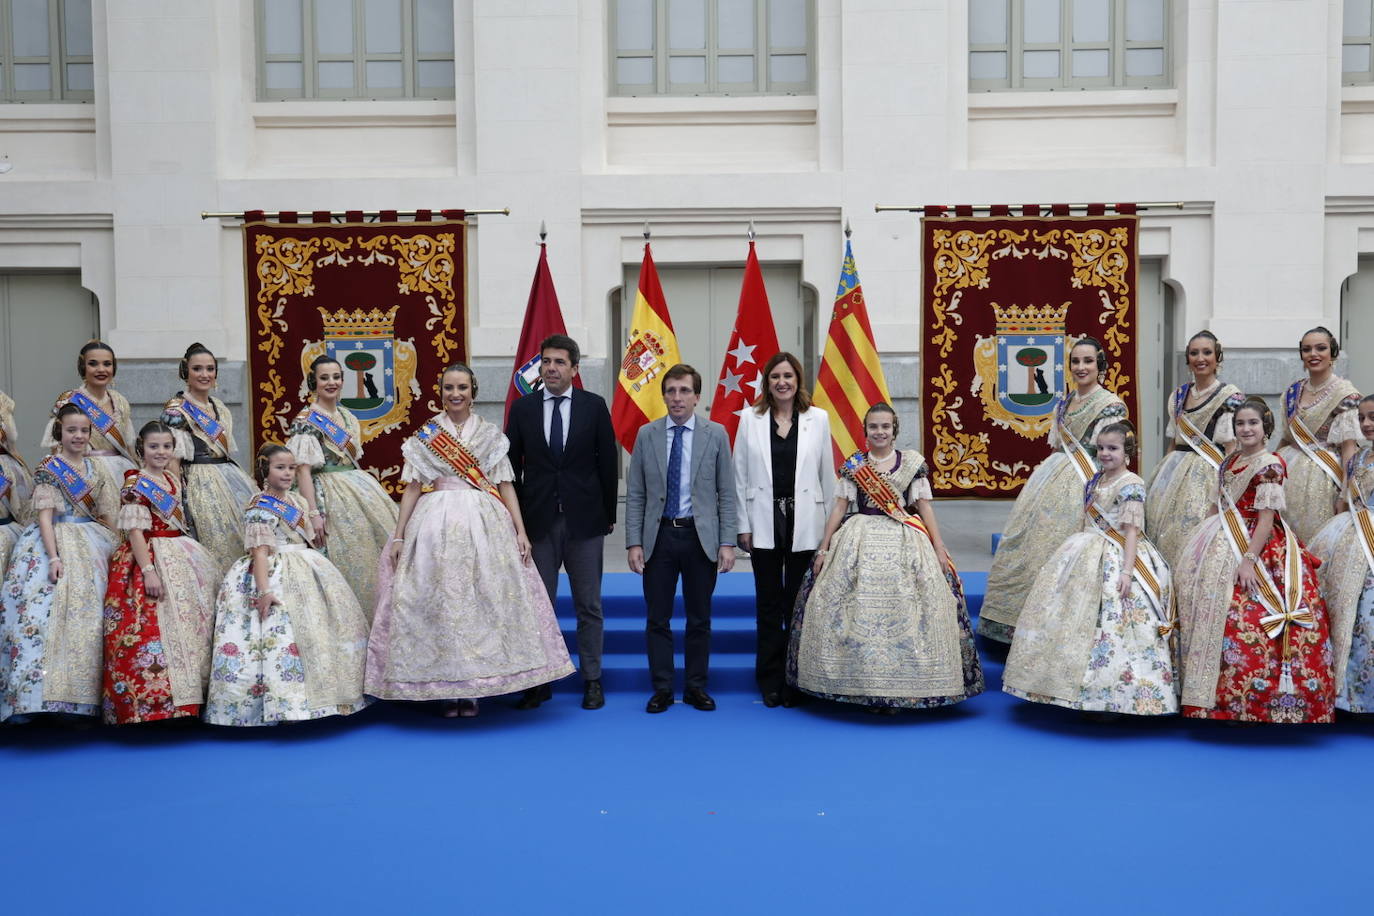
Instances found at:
x=456 y=455
x=1359 y=514
x=101 y=422
x=1200 y=444
x=1144 y=576
x=879 y=491
x=292 y=515
x=77 y=488
x=1303 y=438
x=167 y=506
x=212 y=428
x=1082 y=461
x=5 y=484
x=334 y=432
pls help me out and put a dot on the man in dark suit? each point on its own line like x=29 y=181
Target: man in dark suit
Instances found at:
x=564 y=453
x=680 y=521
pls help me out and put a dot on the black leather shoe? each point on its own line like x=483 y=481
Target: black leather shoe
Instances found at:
x=790 y=698
x=660 y=701
x=532 y=697
x=699 y=698
x=772 y=698
x=592 y=695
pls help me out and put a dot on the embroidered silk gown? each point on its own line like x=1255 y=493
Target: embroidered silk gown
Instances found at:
x=884 y=624
x=217 y=489
x=1347 y=583
x=306 y=660
x=1231 y=666
x=1333 y=420
x=15 y=508
x=157 y=650
x=359 y=515
x=108 y=459
x=461 y=616
x=1183 y=489
x=1046 y=512
x=50 y=634
x=1078 y=644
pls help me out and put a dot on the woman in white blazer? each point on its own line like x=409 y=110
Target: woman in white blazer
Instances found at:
x=785 y=480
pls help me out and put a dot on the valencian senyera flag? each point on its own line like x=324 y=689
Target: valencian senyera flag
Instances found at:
x=543 y=317
x=851 y=378
x=753 y=342
x=387 y=299
x=650 y=351
x=1003 y=300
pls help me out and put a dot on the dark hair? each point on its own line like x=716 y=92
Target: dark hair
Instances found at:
x=195 y=349
x=94 y=344
x=459 y=367
x=263 y=460
x=1260 y=406
x=152 y=426
x=1335 y=344
x=315 y=364
x=66 y=410
x=562 y=342
x=1096 y=345
x=884 y=407
x=765 y=399
x=681 y=370
x=1368 y=397
x=1126 y=431
x=1207 y=335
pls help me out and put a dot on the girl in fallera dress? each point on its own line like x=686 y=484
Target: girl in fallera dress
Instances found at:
x=881 y=621
x=216 y=489
x=351 y=517
x=290 y=638
x=16 y=484
x=1048 y=508
x=1345 y=546
x=1200 y=436
x=160 y=597
x=1256 y=646
x=1321 y=433
x=112 y=425
x=461 y=610
x=1095 y=632
x=51 y=598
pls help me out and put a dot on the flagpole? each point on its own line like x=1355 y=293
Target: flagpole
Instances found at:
x=343 y=214
x=977 y=208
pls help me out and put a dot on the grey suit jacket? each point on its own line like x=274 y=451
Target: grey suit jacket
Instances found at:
x=713 y=486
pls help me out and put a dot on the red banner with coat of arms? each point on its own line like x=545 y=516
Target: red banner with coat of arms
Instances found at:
x=1003 y=300
x=387 y=299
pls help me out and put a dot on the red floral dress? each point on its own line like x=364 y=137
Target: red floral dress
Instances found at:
x=1251 y=660
x=136 y=686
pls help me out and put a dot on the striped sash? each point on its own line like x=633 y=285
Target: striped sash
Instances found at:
x=166 y=506
x=1209 y=450
x=1364 y=524
x=76 y=487
x=879 y=492
x=334 y=432
x=102 y=422
x=1145 y=577
x=1082 y=461
x=292 y=515
x=1303 y=438
x=212 y=428
x=456 y=455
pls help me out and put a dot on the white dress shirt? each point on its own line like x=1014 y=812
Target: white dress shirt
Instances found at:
x=565 y=408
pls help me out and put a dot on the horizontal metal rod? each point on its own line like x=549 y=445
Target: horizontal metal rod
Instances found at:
x=1153 y=205
x=207 y=214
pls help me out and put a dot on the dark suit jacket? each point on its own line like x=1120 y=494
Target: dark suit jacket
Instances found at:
x=584 y=481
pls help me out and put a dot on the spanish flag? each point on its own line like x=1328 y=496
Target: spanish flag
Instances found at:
x=851 y=378
x=650 y=351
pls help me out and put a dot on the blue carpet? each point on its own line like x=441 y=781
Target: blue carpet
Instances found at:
x=994 y=806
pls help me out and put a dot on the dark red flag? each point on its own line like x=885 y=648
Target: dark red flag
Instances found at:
x=542 y=318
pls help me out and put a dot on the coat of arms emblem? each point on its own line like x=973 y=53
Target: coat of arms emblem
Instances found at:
x=1020 y=370
x=379 y=370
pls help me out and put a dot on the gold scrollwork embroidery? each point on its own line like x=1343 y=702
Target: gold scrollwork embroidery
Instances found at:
x=960 y=459
x=444 y=342
x=1099 y=258
x=426 y=263
x=286 y=267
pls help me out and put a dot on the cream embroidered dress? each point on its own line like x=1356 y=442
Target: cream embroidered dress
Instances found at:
x=107 y=458
x=217 y=489
x=1078 y=644
x=1333 y=420
x=1183 y=489
x=50 y=634
x=1046 y=512
x=882 y=625
x=462 y=616
x=359 y=515
x=1347 y=582
x=306 y=660
x=15 y=509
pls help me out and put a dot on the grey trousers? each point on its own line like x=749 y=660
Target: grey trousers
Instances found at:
x=583 y=559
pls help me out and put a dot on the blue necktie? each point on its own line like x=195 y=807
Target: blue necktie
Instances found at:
x=671 y=506
x=556 y=428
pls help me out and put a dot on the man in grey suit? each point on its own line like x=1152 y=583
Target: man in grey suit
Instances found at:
x=680 y=521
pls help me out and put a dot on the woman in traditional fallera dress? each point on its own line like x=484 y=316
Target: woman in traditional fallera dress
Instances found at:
x=881 y=621
x=16 y=484
x=290 y=638
x=216 y=489
x=50 y=601
x=1104 y=649
x=461 y=610
x=160 y=598
x=1345 y=546
x=1183 y=490
x=1255 y=645
x=112 y=424
x=1047 y=510
x=1321 y=433
x=350 y=514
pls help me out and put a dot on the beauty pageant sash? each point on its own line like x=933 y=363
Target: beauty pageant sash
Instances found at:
x=292 y=515
x=1303 y=438
x=167 y=506
x=1199 y=443
x=76 y=487
x=456 y=455
x=101 y=421
x=212 y=428
x=1141 y=572
x=335 y=433
x=1359 y=514
x=1082 y=461
x=879 y=491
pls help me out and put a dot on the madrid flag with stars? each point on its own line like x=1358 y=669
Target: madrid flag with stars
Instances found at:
x=753 y=342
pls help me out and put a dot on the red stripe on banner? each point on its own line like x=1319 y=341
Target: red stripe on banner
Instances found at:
x=1060 y=209
x=288 y=216
x=935 y=210
x=1126 y=209
x=844 y=411
x=455 y=214
x=999 y=210
x=868 y=386
x=1030 y=210
x=388 y=216
x=963 y=210
x=353 y=216
x=1097 y=210
x=254 y=216
x=321 y=216
x=424 y=216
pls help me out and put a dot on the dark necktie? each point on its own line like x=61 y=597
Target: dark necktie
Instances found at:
x=671 y=505
x=556 y=428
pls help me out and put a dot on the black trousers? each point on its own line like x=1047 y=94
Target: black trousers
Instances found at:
x=778 y=573
x=678 y=552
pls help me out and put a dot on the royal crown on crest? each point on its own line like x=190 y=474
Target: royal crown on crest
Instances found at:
x=1030 y=320
x=357 y=324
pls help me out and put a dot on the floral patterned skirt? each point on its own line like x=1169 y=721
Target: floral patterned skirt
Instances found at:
x=216 y=495
x=9 y=536
x=359 y=520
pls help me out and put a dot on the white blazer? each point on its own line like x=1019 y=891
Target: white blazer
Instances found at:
x=813 y=491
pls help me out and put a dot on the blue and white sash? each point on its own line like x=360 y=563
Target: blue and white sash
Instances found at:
x=167 y=506
x=77 y=488
x=5 y=484
x=212 y=428
x=292 y=515
x=102 y=422
x=336 y=434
